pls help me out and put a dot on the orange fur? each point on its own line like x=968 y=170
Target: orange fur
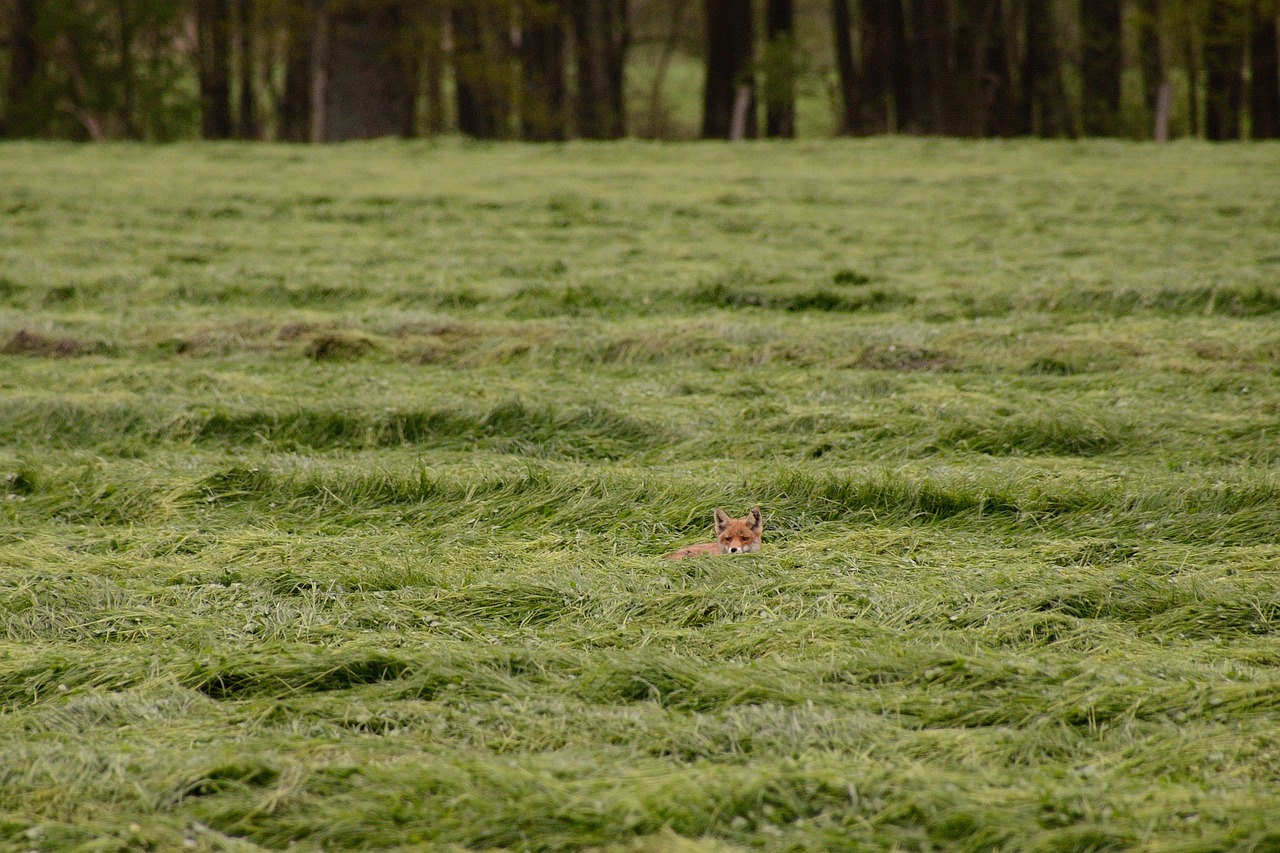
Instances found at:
x=733 y=536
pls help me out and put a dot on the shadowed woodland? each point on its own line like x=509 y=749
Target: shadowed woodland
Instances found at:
x=544 y=70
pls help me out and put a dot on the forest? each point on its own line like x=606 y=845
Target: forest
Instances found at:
x=548 y=70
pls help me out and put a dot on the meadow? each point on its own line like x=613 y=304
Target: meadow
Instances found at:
x=334 y=485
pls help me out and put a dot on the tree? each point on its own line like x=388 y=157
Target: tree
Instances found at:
x=1156 y=88
x=95 y=70
x=1264 y=73
x=729 y=94
x=213 y=33
x=928 y=55
x=543 y=97
x=846 y=71
x=26 y=89
x=874 y=72
x=362 y=70
x=548 y=69
x=126 y=31
x=245 y=47
x=432 y=23
x=602 y=35
x=878 y=91
x=658 y=120
x=895 y=24
x=1224 y=38
x=481 y=62
x=1043 y=109
x=1101 y=65
x=1187 y=29
x=780 y=69
x=997 y=83
x=950 y=68
x=298 y=25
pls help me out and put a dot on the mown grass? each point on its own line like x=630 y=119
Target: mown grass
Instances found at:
x=334 y=484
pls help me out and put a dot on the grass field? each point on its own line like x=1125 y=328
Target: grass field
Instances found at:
x=334 y=484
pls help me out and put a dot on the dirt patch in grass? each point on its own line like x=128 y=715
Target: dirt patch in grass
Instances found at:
x=27 y=342
x=905 y=357
x=299 y=330
x=335 y=346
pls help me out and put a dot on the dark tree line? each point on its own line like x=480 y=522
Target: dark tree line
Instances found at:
x=1006 y=67
x=545 y=70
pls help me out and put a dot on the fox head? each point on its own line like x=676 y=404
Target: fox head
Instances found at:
x=738 y=535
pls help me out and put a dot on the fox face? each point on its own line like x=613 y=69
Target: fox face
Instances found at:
x=738 y=535
x=733 y=536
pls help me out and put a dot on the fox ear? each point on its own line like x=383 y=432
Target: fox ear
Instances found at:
x=754 y=520
x=722 y=520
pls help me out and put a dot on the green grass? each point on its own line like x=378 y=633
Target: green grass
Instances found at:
x=334 y=484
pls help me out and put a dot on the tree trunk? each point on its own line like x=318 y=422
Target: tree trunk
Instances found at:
x=295 y=102
x=900 y=83
x=1264 y=67
x=542 y=58
x=434 y=61
x=1224 y=72
x=26 y=58
x=963 y=107
x=83 y=95
x=927 y=51
x=318 y=72
x=481 y=62
x=1151 y=56
x=657 y=117
x=1102 y=63
x=1044 y=110
x=780 y=69
x=246 y=45
x=468 y=72
x=368 y=75
x=729 y=41
x=213 y=24
x=1193 y=79
x=128 y=123
x=1164 y=110
x=850 y=98
x=602 y=35
x=875 y=71
x=619 y=43
x=996 y=77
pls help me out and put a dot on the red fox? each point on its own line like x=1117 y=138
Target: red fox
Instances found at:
x=733 y=536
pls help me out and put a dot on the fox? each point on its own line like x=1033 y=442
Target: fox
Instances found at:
x=733 y=536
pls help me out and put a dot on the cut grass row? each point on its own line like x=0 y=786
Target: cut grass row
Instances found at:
x=1253 y=295
x=1223 y=507
x=1028 y=342
x=852 y=420
x=328 y=743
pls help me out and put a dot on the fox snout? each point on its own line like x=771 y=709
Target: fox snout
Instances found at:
x=739 y=547
x=738 y=543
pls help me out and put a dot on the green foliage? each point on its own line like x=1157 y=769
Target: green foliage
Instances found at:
x=107 y=69
x=334 y=485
